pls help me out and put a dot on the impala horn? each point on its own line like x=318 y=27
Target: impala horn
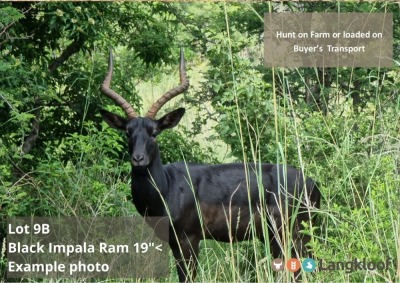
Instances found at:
x=172 y=92
x=105 y=88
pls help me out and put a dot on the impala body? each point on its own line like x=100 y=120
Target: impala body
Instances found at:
x=222 y=202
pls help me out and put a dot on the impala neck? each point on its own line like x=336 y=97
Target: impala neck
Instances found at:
x=150 y=187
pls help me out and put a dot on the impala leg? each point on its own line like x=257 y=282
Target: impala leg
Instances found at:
x=186 y=261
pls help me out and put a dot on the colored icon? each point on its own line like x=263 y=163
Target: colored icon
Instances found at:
x=309 y=265
x=277 y=264
x=293 y=264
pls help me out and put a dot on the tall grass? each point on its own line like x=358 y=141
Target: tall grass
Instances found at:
x=359 y=180
x=359 y=217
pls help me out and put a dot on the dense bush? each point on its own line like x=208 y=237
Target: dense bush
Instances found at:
x=341 y=125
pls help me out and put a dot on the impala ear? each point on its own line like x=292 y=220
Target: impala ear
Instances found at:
x=171 y=119
x=113 y=120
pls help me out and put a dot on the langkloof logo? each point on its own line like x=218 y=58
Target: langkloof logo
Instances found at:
x=309 y=265
x=355 y=264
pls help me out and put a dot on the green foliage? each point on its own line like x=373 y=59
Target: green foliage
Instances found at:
x=80 y=175
x=176 y=146
x=341 y=125
x=369 y=212
x=53 y=76
x=8 y=15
